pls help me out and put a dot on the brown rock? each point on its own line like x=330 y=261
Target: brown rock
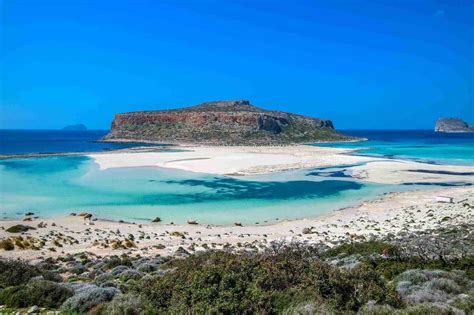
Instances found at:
x=222 y=123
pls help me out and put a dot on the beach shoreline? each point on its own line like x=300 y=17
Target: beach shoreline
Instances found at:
x=249 y=160
x=390 y=214
x=159 y=147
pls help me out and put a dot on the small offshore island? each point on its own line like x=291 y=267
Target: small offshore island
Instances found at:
x=77 y=127
x=453 y=125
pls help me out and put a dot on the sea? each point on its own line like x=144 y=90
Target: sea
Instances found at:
x=422 y=145
x=52 y=185
x=56 y=141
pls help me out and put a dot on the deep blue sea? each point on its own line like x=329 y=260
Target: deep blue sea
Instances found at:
x=57 y=185
x=55 y=141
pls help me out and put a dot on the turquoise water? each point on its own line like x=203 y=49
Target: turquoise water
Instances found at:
x=53 y=186
x=423 y=145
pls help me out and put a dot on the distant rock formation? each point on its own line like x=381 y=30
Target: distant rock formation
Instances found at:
x=75 y=127
x=453 y=125
x=222 y=123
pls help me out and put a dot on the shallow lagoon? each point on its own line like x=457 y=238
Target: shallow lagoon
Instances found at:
x=52 y=186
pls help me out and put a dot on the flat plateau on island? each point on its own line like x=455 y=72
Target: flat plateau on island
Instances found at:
x=392 y=213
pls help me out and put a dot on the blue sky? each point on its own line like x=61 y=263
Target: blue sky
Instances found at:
x=384 y=64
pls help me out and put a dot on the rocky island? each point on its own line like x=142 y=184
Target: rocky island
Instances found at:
x=234 y=122
x=75 y=127
x=453 y=125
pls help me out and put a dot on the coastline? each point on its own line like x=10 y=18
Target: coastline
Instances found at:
x=233 y=161
x=249 y=160
x=160 y=146
x=179 y=143
x=390 y=214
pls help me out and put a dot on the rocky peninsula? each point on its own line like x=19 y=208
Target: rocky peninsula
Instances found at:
x=234 y=122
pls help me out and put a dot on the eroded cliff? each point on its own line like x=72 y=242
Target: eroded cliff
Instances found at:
x=222 y=123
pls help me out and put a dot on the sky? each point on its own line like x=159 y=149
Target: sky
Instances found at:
x=363 y=64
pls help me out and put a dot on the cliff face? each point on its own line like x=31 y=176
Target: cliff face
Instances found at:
x=222 y=123
x=453 y=125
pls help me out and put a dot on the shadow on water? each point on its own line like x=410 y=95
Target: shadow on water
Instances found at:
x=451 y=184
x=234 y=189
x=442 y=172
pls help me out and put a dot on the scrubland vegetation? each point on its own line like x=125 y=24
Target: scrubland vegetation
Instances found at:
x=430 y=272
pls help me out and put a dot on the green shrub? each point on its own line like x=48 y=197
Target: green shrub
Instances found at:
x=130 y=274
x=125 y=304
x=16 y=272
x=428 y=309
x=228 y=283
x=43 y=293
x=436 y=286
x=362 y=248
x=16 y=296
x=464 y=302
x=47 y=294
x=309 y=308
x=88 y=297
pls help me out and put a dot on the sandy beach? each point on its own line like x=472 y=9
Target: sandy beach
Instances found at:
x=236 y=160
x=241 y=161
x=392 y=213
x=416 y=209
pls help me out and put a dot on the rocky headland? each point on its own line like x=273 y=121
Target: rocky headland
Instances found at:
x=222 y=123
x=453 y=125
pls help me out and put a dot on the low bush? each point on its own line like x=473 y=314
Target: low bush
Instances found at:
x=43 y=293
x=88 y=297
x=130 y=274
x=103 y=278
x=464 y=302
x=367 y=278
x=16 y=272
x=146 y=267
x=228 y=283
x=420 y=309
x=16 y=296
x=362 y=248
x=432 y=286
x=47 y=294
x=125 y=304
x=118 y=270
